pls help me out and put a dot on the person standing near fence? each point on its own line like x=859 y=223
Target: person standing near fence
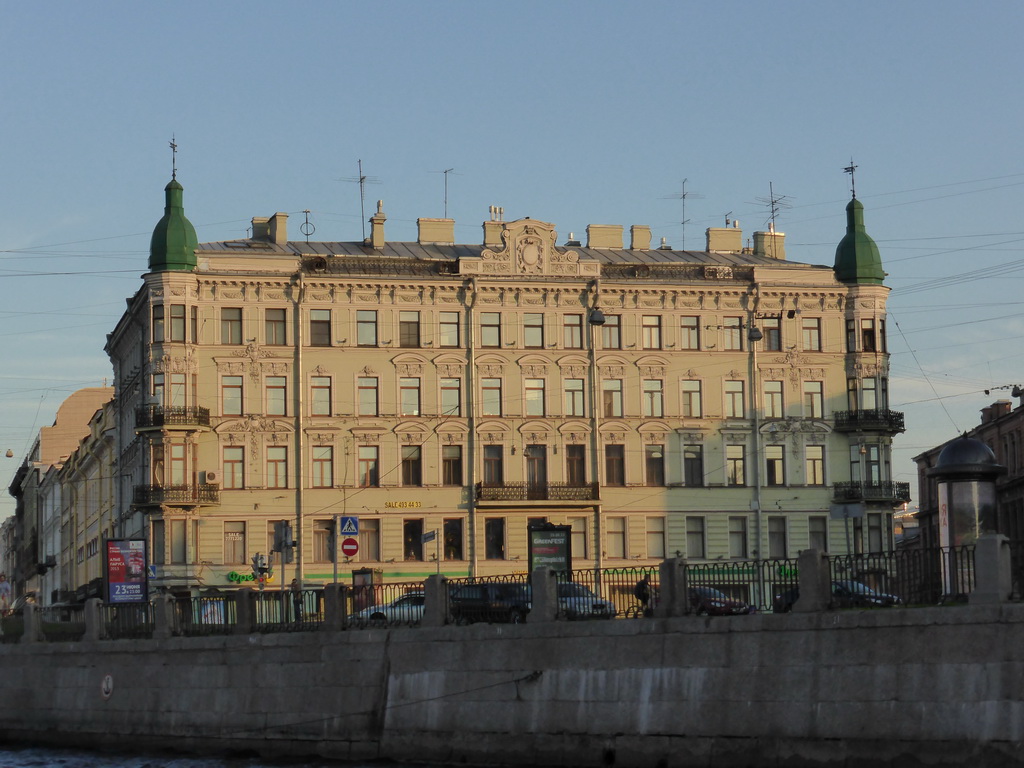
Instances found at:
x=297 y=599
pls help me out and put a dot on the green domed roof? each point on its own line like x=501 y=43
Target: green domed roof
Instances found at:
x=857 y=259
x=174 y=239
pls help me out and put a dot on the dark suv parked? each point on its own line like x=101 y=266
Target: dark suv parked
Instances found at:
x=491 y=601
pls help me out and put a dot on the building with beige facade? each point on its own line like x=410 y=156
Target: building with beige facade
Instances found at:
x=725 y=404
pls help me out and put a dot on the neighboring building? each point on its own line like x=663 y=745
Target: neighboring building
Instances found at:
x=38 y=495
x=474 y=389
x=1001 y=430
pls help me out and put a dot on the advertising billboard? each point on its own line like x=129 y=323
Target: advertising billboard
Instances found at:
x=551 y=547
x=125 y=577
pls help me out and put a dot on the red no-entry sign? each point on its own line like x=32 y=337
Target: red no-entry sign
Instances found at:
x=350 y=547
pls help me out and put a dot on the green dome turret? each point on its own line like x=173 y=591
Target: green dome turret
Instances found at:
x=174 y=240
x=857 y=259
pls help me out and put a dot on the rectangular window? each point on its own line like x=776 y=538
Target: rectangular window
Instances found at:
x=177 y=390
x=576 y=465
x=654 y=398
x=177 y=322
x=656 y=538
x=573 y=332
x=575 y=400
x=277 y=396
x=234 y=543
x=814 y=465
x=773 y=400
x=875 y=537
x=738 y=538
x=693 y=465
x=695 y=538
x=490 y=329
x=654 y=463
x=323 y=530
x=323 y=466
x=158 y=323
x=615 y=465
x=777 y=538
x=234 y=467
x=615 y=537
x=369 y=540
x=409 y=396
x=611 y=390
x=320 y=396
x=320 y=327
x=775 y=465
x=533 y=330
x=691 y=402
x=177 y=456
x=734 y=400
x=366 y=327
x=689 y=333
x=408 y=329
x=275 y=325
x=412 y=539
x=868 y=394
x=179 y=542
x=735 y=472
x=651 y=331
x=812 y=334
x=277 y=467
x=159 y=543
x=158 y=388
x=611 y=332
x=494 y=470
x=194 y=325
x=453 y=538
x=771 y=327
x=369 y=466
x=490 y=397
x=813 y=399
x=868 y=340
x=231 y=325
x=578 y=537
x=817 y=533
x=851 y=335
x=451 y=397
x=494 y=538
x=231 y=395
x=536 y=470
x=535 y=397
x=412 y=465
x=369 y=400
x=448 y=329
x=882 y=344
x=451 y=465
x=732 y=334
x=158 y=466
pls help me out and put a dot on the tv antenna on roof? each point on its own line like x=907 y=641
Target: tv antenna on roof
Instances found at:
x=684 y=196
x=775 y=204
x=446 y=171
x=362 y=180
x=174 y=158
x=853 y=185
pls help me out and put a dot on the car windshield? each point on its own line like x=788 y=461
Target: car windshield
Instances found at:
x=572 y=589
x=856 y=586
x=709 y=592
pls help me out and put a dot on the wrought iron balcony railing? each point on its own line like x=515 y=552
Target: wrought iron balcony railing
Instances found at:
x=148 y=416
x=872 y=420
x=545 y=492
x=890 y=491
x=204 y=493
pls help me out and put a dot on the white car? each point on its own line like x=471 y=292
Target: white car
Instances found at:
x=576 y=601
x=407 y=609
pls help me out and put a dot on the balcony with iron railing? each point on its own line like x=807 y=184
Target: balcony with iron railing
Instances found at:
x=156 y=416
x=520 y=491
x=887 y=491
x=191 y=495
x=871 y=420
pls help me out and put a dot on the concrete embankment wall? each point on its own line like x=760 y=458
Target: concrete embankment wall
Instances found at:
x=899 y=687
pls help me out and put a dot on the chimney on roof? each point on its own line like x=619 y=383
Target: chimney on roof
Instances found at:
x=377 y=226
x=260 y=228
x=1001 y=408
x=727 y=239
x=640 y=237
x=278 y=228
x=494 y=227
x=771 y=244
x=608 y=236
x=436 y=231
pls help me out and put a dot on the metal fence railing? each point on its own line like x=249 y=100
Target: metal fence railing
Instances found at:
x=494 y=599
x=735 y=587
x=914 y=576
x=289 y=611
x=62 y=623
x=127 y=621
x=12 y=626
x=200 y=616
x=385 y=605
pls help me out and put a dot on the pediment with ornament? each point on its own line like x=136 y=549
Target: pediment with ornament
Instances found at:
x=529 y=249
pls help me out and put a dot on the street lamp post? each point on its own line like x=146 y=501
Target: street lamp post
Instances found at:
x=595 y=319
x=754 y=335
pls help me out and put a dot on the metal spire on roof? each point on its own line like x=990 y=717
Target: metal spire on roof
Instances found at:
x=174 y=158
x=853 y=185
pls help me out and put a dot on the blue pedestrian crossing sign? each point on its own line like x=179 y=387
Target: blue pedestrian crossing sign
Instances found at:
x=349 y=526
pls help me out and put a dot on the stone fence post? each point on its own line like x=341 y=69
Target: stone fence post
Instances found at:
x=32 y=632
x=674 y=599
x=544 y=597
x=435 y=601
x=163 y=617
x=335 y=607
x=992 y=574
x=94 y=628
x=244 y=613
x=815 y=582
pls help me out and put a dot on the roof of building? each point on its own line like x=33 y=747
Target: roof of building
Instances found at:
x=174 y=240
x=857 y=258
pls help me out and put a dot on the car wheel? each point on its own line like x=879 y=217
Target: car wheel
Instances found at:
x=517 y=617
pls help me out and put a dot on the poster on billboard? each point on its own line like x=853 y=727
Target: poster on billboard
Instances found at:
x=125 y=578
x=550 y=546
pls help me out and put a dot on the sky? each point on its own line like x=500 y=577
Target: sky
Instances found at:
x=577 y=112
